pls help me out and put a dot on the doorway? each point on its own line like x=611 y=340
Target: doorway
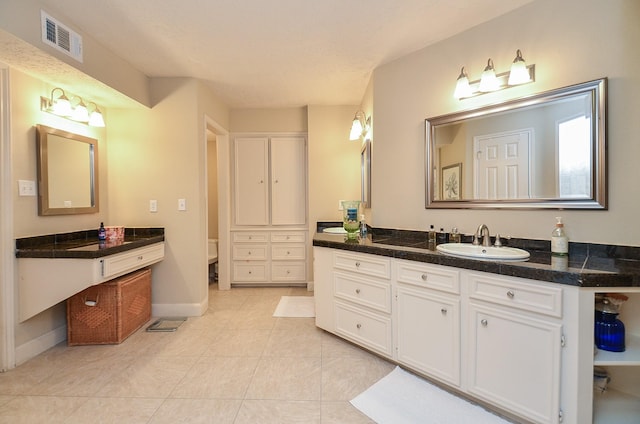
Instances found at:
x=218 y=197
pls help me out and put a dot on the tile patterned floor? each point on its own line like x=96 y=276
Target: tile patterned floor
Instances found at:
x=236 y=364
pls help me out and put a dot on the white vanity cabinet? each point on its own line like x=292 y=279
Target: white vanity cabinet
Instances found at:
x=262 y=257
x=44 y=282
x=269 y=241
x=514 y=346
x=270 y=181
x=427 y=319
x=620 y=403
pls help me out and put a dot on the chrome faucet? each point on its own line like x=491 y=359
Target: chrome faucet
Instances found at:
x=482 y=231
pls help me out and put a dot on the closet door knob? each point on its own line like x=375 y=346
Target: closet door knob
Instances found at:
x=444 y=311
x=358 y=326
x=424 y=277
x=357 y=291
x=484 y=322
x=510 y=294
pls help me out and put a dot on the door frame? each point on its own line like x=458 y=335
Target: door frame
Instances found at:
x=7 y=260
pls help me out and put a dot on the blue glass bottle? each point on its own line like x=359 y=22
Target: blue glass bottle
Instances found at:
x=609 y=330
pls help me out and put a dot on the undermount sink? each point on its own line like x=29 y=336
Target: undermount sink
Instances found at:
x=335 y=230
x=486 y=253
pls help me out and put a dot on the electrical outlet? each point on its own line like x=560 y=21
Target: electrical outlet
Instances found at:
x=340 y=208
x=182 y=204
x=153 y=206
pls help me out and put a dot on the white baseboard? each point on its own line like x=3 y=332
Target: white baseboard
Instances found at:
x=179 y=309
x=35 y=347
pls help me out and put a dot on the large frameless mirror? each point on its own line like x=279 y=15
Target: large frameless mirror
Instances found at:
x=541 y=151
x=67 y=172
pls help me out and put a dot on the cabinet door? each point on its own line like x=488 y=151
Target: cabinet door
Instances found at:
x=251 y=192
x=514 y=362
x=428 y=331
x=288 y=181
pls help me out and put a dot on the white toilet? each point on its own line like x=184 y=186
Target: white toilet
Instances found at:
x=213 y=250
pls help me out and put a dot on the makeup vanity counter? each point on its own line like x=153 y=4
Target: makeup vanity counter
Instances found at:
x=514 y=336
x=54 y=267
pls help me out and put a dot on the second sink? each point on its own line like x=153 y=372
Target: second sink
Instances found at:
x=487 y=253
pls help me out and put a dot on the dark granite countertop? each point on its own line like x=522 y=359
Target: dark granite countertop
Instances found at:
x=84 y=244
x=588 y=265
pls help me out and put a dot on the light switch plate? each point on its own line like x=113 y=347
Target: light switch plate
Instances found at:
x=182 y=204
x=26 y=188
x=153 y=206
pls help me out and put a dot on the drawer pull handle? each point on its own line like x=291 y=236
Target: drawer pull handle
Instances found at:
x=444 y=311
x=288 y=253
x=140 y=257
x=249 y=272
x=249 y=252
x=358 y=326
x=484 y=322
x=288 y=272
x=288 y=237
x=424 y=277
x=510 y=294
x=357 y=264
x=357 y=291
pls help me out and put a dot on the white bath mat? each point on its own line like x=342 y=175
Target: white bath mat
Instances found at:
x=402 y=397
x=296 y=307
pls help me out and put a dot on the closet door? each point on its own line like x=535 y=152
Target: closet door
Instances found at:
x=251 y=189
x=288 y=181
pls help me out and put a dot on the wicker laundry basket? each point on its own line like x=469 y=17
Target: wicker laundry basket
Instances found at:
x=110 y=312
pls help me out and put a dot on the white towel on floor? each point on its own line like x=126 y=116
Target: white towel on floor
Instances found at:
x=296 y=307
x=403 y=398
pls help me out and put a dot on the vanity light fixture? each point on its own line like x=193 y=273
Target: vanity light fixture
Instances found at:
x=95 y=117
x=520 y=73
x=61 y=106
x=359 y=126
x=80 y=112
x=463 y=89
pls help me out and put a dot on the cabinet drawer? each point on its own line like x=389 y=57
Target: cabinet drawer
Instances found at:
x=288 y=251
x=288 y=271
x=250 y=237
x=533 y=297
x=250 y=271
x=374 y=294
x=132 y=260
x=375 y=266
x=288 y=237
x=438 y=278
x=250 y=252
x=365 y=328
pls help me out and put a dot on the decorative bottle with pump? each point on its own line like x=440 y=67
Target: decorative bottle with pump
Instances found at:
x=559 y=239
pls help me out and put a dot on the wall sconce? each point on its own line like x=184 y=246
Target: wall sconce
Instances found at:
x=519 y=74
x=360 y=126
x=61 y=106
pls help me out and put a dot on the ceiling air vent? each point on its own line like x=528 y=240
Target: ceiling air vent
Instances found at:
x=61 y=37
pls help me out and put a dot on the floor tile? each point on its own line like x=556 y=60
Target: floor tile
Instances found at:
x=286 y=379
x=115 y=411
x=278 y=412
x=196 y=411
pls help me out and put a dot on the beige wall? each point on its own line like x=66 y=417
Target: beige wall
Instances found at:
x=159 y=154
x=268 y=120
x=25 y=114
x=570 y=42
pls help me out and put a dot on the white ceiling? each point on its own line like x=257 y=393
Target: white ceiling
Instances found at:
x=272 y=53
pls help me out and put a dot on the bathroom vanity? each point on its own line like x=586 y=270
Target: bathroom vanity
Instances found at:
x=517 y=337
x=54 y=267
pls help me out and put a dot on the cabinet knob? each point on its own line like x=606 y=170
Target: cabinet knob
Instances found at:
x=276 y=181
x=288 y=253
x=444 y=311
x=424 y=277
x=357 y=291
x=261 y=182
x=249 y=272
x=288 y=272
x=140 y=258
x=249 y=253
x=358 y=326
x=357 y=264
x=288 y=237
x=484 y=322
x=510 y=294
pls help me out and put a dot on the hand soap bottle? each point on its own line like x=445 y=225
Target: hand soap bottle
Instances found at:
x=559 y=240
x=102 y=233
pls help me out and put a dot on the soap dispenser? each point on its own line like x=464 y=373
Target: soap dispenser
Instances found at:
x=102 y=232
x=559 y=240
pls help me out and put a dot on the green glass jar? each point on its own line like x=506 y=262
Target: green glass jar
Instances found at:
x=350 y=216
